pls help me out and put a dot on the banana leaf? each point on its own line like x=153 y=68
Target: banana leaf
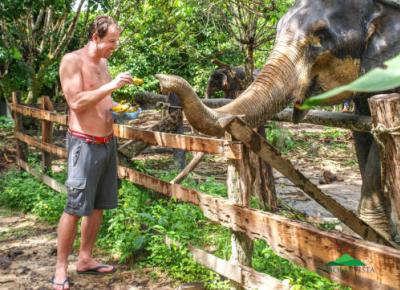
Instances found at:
x=377 y=80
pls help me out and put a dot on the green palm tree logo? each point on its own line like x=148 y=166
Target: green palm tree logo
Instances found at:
x=346 y=260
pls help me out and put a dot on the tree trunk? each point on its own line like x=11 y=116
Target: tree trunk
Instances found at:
x=385 y=117
x=249 y=64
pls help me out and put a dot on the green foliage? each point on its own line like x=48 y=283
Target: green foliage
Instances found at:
x=176 y=37
x=169 y=37
x=180 y=265
x=377 y=80
x=265 y=260
x=32 y=43
x=121 y=232
x=19 y=190
x=279 y=137
x=6 y=123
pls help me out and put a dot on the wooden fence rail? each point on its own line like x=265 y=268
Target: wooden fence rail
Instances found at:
x=297 y=241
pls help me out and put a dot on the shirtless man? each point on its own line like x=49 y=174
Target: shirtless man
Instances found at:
x=92 y=168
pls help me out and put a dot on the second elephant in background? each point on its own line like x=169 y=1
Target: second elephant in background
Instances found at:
x=230 y=80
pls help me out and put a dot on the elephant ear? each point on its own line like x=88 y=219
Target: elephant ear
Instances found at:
x=391 y=2
x=382 y=37
x=373 y=21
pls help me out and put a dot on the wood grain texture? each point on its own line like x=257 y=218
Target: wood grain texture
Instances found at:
x=240 y=131
x=385 y=113
x=50 y=148
x=47 y=132
x=243 y=275
x=188 y=143
x=296 y=241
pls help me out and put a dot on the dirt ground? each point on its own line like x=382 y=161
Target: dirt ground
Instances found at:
x=28 y=254
x=313 y=161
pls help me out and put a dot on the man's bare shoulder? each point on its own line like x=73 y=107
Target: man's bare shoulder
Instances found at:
x=73 y=58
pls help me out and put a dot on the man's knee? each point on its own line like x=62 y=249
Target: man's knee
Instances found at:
x=70 y=216
x=97 y=212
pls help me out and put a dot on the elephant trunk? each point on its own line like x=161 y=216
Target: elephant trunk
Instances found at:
x=267 y=95
x=198 y=115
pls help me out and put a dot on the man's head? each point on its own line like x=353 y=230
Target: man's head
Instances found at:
x=104 y=32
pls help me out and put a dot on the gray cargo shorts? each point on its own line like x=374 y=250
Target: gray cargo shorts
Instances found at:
x=92 y=181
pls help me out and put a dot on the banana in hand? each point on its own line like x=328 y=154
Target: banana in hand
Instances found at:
x=137 y=81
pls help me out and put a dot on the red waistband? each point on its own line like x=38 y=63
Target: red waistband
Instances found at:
x=90 y=138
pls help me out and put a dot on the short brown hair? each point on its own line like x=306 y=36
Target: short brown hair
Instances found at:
x=100 y=26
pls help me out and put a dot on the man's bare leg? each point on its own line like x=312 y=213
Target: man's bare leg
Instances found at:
x=65 y=238
x=89 y=229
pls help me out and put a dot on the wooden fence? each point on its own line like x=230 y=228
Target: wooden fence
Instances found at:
x=296 y=241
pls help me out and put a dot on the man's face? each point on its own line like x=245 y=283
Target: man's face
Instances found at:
x=108 y=43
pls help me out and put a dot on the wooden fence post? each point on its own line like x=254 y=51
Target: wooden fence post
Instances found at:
x=239 y=183
x=175 y=108
x=47 y=132
x=386 y=120
x=22 y=148
x=263 y=185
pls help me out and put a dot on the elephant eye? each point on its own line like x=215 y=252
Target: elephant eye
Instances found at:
x=324 y=35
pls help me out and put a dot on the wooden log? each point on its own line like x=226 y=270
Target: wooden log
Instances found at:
x=40 y=114
x=243 y=275
x=47 y=132
x=188 y=143
x=51 y=182
x=267 y=152
x=340 y=120
x=297 y=241
x=239 y=183
x=22 y=149
x=169 y=124
x=349 y=121
x=198 y=156
x=385 y=117
x=149 y=100
x=50 y=148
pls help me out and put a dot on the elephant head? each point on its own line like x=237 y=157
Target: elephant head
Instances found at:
x=320 y=44
x=227 y=79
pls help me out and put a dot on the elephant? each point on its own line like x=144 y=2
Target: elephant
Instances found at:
x=319 y=45
x=230 y=80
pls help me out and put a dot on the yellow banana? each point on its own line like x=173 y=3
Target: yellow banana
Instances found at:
x=120 y=108
x=137 y=81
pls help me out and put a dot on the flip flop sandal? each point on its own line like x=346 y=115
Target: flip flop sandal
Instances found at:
x=60 y=284
x=95 y=270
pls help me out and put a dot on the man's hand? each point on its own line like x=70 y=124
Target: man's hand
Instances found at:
x=121 y=80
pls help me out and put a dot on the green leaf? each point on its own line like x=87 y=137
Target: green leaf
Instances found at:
x=376 y=80
x=16 y=54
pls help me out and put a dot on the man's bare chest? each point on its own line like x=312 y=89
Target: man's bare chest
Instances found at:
x=94 y=76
